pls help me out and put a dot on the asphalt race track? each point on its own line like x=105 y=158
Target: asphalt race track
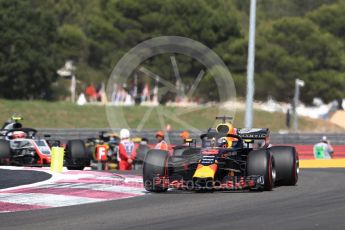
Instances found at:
x=11 y=178
x=318 y=202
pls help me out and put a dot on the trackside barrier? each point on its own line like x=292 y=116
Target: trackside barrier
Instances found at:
x=306 y=151
x=174 y=136
x=324 y=163
x=56 y=163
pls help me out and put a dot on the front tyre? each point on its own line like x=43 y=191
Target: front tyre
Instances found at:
x=155 y=165
x=77 y=156
x=261 y=163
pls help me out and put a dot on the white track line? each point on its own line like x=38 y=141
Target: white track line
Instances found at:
x=114 y=186
x=45 y=199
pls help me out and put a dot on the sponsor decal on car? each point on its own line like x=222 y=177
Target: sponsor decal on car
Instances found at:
x=209 y=151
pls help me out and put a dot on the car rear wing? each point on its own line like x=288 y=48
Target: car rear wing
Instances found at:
x=253 y=134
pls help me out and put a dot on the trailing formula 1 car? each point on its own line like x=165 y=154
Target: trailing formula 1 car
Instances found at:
x=104 y=150
x=21 y=146
x=104 y=147
x=227 y=160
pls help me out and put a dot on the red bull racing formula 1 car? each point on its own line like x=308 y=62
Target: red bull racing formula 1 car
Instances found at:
x=228 y=159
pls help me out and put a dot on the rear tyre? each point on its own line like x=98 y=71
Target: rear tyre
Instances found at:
x=78 y=167
x=77 y=156
x=5 y=150
x=155 y=164
x=77 y=149
x=287 y=164
x=261 y=163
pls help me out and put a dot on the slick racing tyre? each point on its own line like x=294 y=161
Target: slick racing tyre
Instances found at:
x=5 y=150
x=155 y=164
x=77 y=156
x=261 y=163
x=75 y=167
x=287 y=164
x=76 y=149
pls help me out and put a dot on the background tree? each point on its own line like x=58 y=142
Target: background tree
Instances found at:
x=303 y=39
x=297 y=48
x=27 y=51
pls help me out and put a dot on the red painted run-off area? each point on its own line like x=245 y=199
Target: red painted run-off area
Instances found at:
x=306 y=151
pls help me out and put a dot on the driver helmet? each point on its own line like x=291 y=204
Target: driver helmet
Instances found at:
x=224 y=142
x=227 y=128
x=18 y=134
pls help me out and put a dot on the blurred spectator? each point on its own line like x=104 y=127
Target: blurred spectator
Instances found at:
x=114 y=93
x=145 y=95
x=99 y=93
x=288 y=119
x=91 y=93
x=140 y=88
x=127 y=152
x=102 y=94
x=81 y=99
x=121 y=96
x=340 y=104
x=323 y=149
x=161 y=144
x=168 y=128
